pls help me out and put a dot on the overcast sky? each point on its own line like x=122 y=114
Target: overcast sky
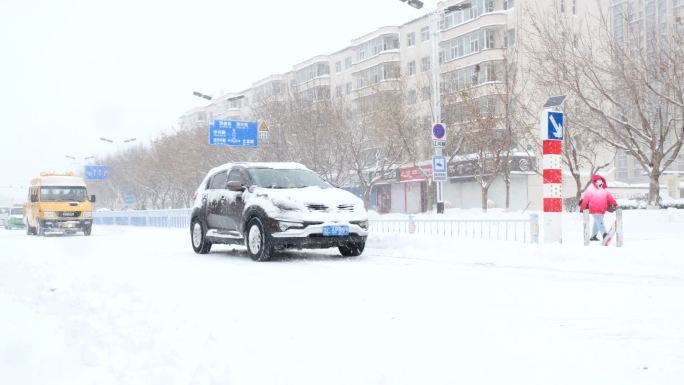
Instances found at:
x=72 y=71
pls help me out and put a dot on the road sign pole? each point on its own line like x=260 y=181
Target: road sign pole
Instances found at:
x=552 y=142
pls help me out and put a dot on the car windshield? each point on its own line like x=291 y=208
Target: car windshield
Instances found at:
x=16 y=211
x=285 y=178
x=63 y=194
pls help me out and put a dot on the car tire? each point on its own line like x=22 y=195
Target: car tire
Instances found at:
x=87 y=230
x=352 y=249
x=258 y=241
x=40 y=229
x=198 y=237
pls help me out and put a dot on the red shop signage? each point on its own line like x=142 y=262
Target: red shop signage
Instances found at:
x=413 y=174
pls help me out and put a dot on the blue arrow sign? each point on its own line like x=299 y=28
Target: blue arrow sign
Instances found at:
x=555 y=125
x=235 y=133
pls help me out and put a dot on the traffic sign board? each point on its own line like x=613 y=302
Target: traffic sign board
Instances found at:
x=234 y=133
x=439 y=163
x=129 y=198
x=554 y=125
x=439 y=168
x=438 y=131
x=97 y=172
x=438 y=143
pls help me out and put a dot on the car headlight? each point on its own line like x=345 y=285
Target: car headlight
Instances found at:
x=87 y=214
x=49 y=214
x=285 y=225
x=362 y=224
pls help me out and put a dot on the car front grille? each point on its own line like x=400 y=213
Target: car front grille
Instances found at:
x=345 y=207
x=315 y=207
x=69 y=214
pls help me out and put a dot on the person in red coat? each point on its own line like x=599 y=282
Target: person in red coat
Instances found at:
x=597 y=198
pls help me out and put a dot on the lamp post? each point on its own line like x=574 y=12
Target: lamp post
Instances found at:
x=436 y=94
x=79 y=161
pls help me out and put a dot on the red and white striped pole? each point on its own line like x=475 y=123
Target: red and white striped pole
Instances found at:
x=552 y=143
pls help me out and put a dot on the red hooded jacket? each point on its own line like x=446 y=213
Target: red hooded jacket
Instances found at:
x=597 y=198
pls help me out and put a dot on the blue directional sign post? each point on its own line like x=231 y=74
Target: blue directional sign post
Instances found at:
x=233 y=133
x=554 y=125
x=439 y=168
x=97 y=172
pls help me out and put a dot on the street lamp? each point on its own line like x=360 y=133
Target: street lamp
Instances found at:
x=201 y=95
x=436 y=97
x=123 y=141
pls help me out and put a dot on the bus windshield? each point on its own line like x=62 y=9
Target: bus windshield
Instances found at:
x=63 y=194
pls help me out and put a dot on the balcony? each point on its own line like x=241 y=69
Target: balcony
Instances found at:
x=490 y=54
x=485 y=20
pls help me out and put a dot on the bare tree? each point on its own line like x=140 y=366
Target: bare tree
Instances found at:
x=631 y=87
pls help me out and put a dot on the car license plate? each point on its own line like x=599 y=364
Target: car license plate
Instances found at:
x=335 y=230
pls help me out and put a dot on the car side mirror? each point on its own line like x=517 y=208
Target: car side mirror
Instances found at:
x=34 y=198
x=92 y=198
x=235 y=185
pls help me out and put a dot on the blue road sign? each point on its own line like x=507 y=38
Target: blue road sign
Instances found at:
x=129 y=198
x=235 y=133
x=439 y=163
x=97 y=172
x=555 y=125
x=438 y=131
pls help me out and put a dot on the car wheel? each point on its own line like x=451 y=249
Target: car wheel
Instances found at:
x=87 y=230
x=352 y=249
x=197 y=236
x=258 y=241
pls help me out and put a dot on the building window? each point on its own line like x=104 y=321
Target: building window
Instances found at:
x=347 y=63
x=411 y=68
x=508 y=4
x=425 y=34
x=411 y=39
x=338 y=91
x=412 y=98
x=348 y=87
x=509 y=38
x=562 y=6
x=338 y=66
x=425 y=64
x=489 y=38
x=425 y=93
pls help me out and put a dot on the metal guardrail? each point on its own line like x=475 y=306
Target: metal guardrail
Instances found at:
x=523 y=229
x=520 y=230
x=177 y=218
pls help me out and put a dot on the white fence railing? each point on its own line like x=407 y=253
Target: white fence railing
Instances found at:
x=520 y=230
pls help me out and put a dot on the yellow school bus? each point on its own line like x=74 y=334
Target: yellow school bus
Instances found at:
x=58 y=202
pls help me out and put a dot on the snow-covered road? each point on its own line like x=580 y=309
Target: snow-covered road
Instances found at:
x=137 y=306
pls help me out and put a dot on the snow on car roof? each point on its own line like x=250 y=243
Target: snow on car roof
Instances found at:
x=274 y=165
x=55 y=180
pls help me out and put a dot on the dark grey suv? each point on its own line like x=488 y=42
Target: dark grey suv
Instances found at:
x=273 y=206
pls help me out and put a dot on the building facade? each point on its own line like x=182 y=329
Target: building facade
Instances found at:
x=473 y=46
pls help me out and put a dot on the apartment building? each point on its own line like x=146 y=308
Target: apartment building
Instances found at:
x=472 y=46
x=649 y=25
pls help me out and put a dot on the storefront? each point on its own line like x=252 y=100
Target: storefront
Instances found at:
x=410 y=195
